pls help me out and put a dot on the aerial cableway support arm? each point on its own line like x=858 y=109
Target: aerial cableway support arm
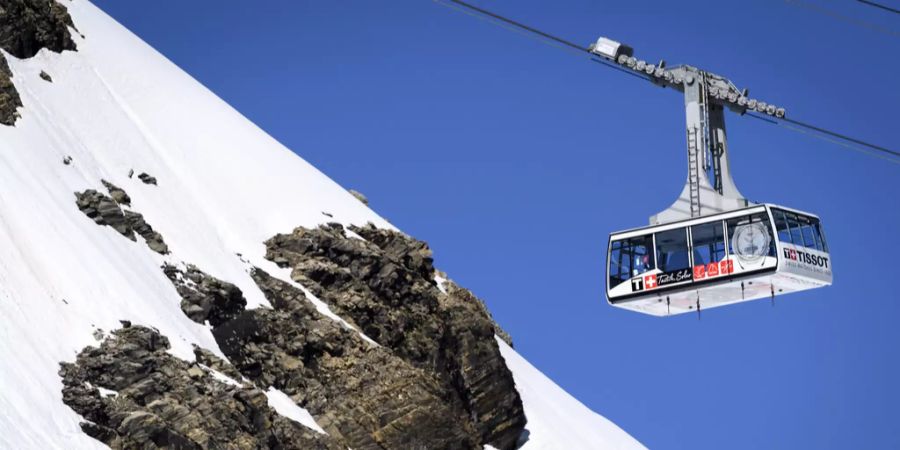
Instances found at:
x=709 y=187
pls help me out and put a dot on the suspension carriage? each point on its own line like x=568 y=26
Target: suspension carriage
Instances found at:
x=712 y=247
x=716 y=260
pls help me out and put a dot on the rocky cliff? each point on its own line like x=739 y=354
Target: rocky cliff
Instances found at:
x=426 y=372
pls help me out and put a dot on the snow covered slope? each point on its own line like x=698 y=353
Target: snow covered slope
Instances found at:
x=224 y=186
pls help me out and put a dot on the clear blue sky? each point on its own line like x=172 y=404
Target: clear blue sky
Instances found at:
x=514 y=160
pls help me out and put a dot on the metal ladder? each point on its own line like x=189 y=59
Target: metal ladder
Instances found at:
x=693 y=171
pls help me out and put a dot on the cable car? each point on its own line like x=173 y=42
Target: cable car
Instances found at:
x=716 y=260
x=712 y=247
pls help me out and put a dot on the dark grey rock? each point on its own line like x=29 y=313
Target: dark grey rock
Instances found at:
x=147 y=179
x=205 y=298
x=165 y=402
x=67 y=160
x=106 y=211
x=358 y=392
x=9 y=96
x=454 y=290
x=208 y=359
x=118 y=194
x=153 y=239
x=385 y=285
x=26 y=26
x=46 y=77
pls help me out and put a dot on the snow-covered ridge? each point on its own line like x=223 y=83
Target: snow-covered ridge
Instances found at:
x=224 y=187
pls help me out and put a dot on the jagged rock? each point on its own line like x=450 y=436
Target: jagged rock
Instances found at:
x=205 y=298
x=468 y=298
x=118 y=194
x=385 y=285
x=208 y=359
x=358 y=392
x=359 y=196
x=153 y=239
x=106 y=211
x=26 y=26
x=46 y=77
x=164 y=402
x=9 y=96
x=147 y=179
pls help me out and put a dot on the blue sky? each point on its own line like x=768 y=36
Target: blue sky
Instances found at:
x=515 y=159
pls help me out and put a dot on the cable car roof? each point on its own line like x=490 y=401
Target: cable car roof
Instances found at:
x=637 y=231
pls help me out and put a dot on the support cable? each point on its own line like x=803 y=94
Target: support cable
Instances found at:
x=878 y=5
x=792 y=124
x=819 y=9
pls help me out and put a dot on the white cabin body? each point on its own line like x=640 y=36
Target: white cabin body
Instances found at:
x=704 y=262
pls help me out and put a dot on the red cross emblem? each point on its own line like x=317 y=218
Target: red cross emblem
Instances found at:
x=650 y=281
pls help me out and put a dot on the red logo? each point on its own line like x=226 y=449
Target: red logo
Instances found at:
x=650 y=281
x=712 y=269
x=726 y=266
x=699 y=272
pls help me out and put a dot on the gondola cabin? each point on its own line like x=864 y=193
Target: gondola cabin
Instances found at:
x=715 y=260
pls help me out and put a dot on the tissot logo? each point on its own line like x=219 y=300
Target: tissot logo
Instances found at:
x=806 y=258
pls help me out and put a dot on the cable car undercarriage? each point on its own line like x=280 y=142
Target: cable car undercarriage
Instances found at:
x=712 y=247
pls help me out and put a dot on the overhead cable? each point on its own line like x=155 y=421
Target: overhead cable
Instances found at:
x=792 y=124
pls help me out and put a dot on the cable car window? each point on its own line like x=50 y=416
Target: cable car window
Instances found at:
x=709 y=242
x=793 y=222
x=672 y=250
x=629 y=258
x=808 y=233
x=821 y=235
x=784 y=233
x=802 y=230
x=736 y=222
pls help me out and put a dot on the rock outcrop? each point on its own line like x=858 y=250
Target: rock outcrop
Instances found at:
x=118 y=194
x=437 y=379
x=384 y=284
x=205 y=298
x=147 y=179
x=27 y=26
x=105 y=210
x=358 y=392
x=9 y=96
x=133 y=394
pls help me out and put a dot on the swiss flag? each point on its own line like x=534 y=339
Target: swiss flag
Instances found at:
x=726 y=266
x=712 y=269
x=699 y=272
x=650 y=281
